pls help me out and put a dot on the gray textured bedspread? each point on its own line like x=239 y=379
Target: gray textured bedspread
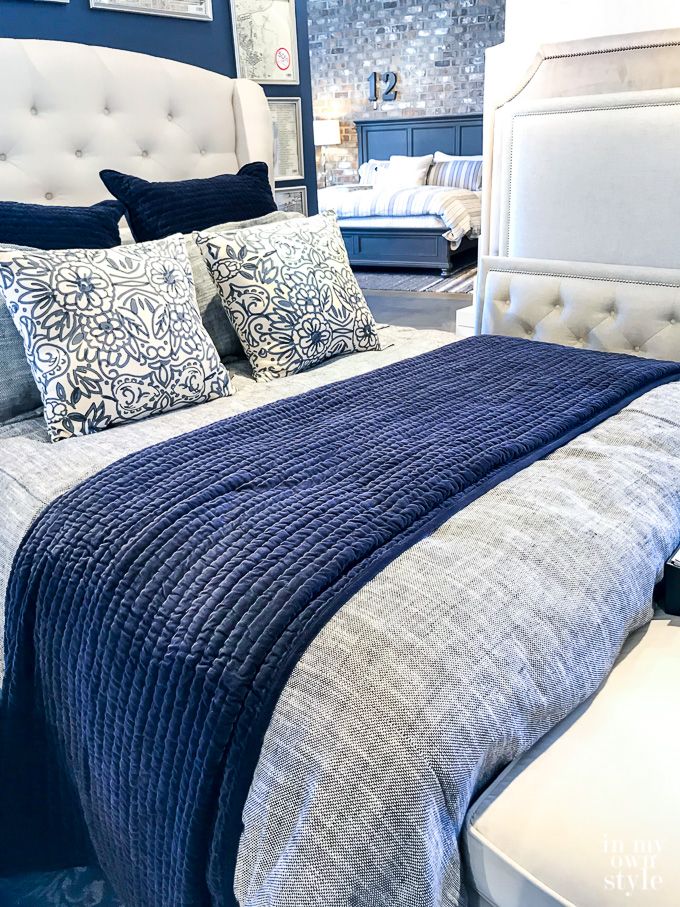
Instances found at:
x=453 y=660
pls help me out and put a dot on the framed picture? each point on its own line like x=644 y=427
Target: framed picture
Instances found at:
x=265 y=39
x=179 y=9
x=287 y=124
x=294 y=199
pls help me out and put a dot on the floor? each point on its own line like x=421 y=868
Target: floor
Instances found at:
x=418 y=299
x=461 y=281
x=418 y=310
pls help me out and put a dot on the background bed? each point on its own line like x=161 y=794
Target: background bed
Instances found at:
x=416 y=246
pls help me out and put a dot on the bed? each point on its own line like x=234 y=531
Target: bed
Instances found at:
x=420 y=228
x=451 y=650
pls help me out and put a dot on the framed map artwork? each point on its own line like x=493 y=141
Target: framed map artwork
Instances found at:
x=180 y=9
x=266 y=41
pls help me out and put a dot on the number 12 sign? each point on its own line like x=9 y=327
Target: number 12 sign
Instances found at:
x=389 y=80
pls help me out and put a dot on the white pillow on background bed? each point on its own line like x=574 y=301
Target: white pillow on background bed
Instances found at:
x=111 y=335
x=369 y=170
x=404 y=172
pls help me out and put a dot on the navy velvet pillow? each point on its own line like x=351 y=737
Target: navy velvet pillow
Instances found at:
x=58 y=227
x=157 y=210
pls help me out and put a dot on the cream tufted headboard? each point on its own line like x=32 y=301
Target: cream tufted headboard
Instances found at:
x=68 y=111
x=582 y=219
x=618 y=309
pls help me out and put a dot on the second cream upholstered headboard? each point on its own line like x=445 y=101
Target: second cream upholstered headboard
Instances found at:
x=68 y=111
x=592 y=178
x=582 y=218
x=613 y=308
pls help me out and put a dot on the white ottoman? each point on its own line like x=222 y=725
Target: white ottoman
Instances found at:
x=465 y=322
x=590 y=816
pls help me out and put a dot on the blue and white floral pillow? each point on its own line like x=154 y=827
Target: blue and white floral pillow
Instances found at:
x=111 y=335
x=290 y=294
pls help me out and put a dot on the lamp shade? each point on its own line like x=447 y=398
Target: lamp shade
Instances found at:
x=326 y=132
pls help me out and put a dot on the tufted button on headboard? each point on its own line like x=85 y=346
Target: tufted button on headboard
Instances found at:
x=613 y=308
x=68 y=111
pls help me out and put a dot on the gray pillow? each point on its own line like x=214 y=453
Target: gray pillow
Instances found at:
x=19 y=395
x=214 y=317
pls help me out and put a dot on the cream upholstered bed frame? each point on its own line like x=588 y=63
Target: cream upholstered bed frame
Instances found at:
x=68 y=111
x=581 y=227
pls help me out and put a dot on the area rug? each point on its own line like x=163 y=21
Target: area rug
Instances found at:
x=461 y=281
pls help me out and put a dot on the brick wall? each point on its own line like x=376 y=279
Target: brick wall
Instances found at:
x=436 y=47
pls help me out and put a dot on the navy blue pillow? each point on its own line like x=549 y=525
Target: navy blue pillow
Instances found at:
x=58 y=227
x=157 y=210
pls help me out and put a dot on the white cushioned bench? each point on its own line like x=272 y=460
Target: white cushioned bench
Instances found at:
x=591 y=815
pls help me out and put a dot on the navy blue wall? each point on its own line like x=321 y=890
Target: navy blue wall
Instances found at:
x=206 y=44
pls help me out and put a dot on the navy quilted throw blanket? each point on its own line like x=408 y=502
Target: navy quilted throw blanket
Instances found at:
x=155 y=612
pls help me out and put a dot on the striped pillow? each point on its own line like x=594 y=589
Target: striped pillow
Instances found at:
x=456 y=172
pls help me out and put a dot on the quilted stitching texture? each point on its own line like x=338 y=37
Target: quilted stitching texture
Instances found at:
x=165 y=615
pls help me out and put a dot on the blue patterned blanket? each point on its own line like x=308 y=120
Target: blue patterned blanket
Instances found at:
x=155 y=612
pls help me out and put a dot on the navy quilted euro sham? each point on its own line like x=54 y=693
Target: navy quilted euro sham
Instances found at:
x=155 y=612
x=155 y=210
x=59 y=227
